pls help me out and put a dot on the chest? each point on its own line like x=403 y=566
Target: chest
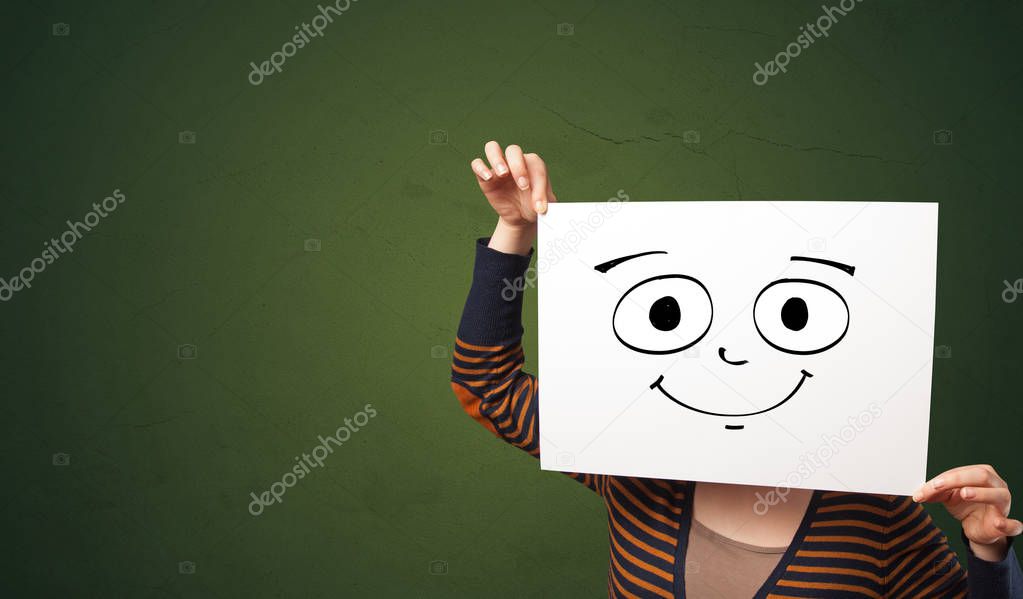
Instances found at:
x=757 y=516
x=649 y=526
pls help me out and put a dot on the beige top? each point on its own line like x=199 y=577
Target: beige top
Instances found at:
x=719 y=567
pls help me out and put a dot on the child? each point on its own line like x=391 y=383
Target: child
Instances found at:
x=812 y=545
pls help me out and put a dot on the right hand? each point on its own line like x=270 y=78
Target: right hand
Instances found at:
x=515 y=184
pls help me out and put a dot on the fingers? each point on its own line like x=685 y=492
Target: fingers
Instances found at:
x=480 y=168
x=496 y=158
x=528 y=172
x=991 y=527
x=517 y=166
x=1010 y=527
x=987 y=467
x=983 y=529
x=538 y=182
x=966 y=476
x=998 y=496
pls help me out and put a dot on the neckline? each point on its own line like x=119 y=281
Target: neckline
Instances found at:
x=702 y=529
x=776 y=574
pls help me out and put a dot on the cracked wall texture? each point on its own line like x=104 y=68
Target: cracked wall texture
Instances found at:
x=287 y=339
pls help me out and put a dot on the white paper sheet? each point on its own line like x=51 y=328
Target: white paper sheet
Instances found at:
x=724 y=358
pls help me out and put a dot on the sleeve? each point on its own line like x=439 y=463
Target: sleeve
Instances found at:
x=994 y=579
x=918 y=559
x=920 y=563
x=486 y=371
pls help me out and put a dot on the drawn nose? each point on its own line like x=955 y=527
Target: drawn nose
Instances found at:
x=721 y=354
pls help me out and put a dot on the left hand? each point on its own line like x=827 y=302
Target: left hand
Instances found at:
x=980 y=500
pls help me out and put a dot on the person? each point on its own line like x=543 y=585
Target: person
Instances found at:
x=673 y=538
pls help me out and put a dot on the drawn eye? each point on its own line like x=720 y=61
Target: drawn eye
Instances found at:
x=663 y=314
x=800 y=316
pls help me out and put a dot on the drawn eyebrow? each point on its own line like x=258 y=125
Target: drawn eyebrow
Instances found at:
x=843 y=267
x=606 y=266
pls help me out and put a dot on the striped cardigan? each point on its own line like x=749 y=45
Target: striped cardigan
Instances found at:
x=847 y=545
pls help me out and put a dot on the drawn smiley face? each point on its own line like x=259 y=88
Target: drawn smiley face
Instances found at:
x=671 y=313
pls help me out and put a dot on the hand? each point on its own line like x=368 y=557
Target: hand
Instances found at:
x=980 y=500
x=517 y=187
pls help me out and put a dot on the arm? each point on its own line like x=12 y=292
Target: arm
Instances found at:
x=994 y=577
x=980 y=500
x=486 y=372
x=918 y=560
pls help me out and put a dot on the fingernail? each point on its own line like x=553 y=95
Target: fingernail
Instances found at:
x=523 y=183
x=916 y=497
x=937 y=483
x=501 y=169
x=485 y=175
x=968 y=493
x=538 y=207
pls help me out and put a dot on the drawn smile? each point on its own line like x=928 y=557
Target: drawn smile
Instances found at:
x=657 y=385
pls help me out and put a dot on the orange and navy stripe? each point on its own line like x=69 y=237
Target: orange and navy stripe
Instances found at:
x=848 y=544
x=489 y=382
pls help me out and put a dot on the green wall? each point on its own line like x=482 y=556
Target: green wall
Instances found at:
x=208 y=249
